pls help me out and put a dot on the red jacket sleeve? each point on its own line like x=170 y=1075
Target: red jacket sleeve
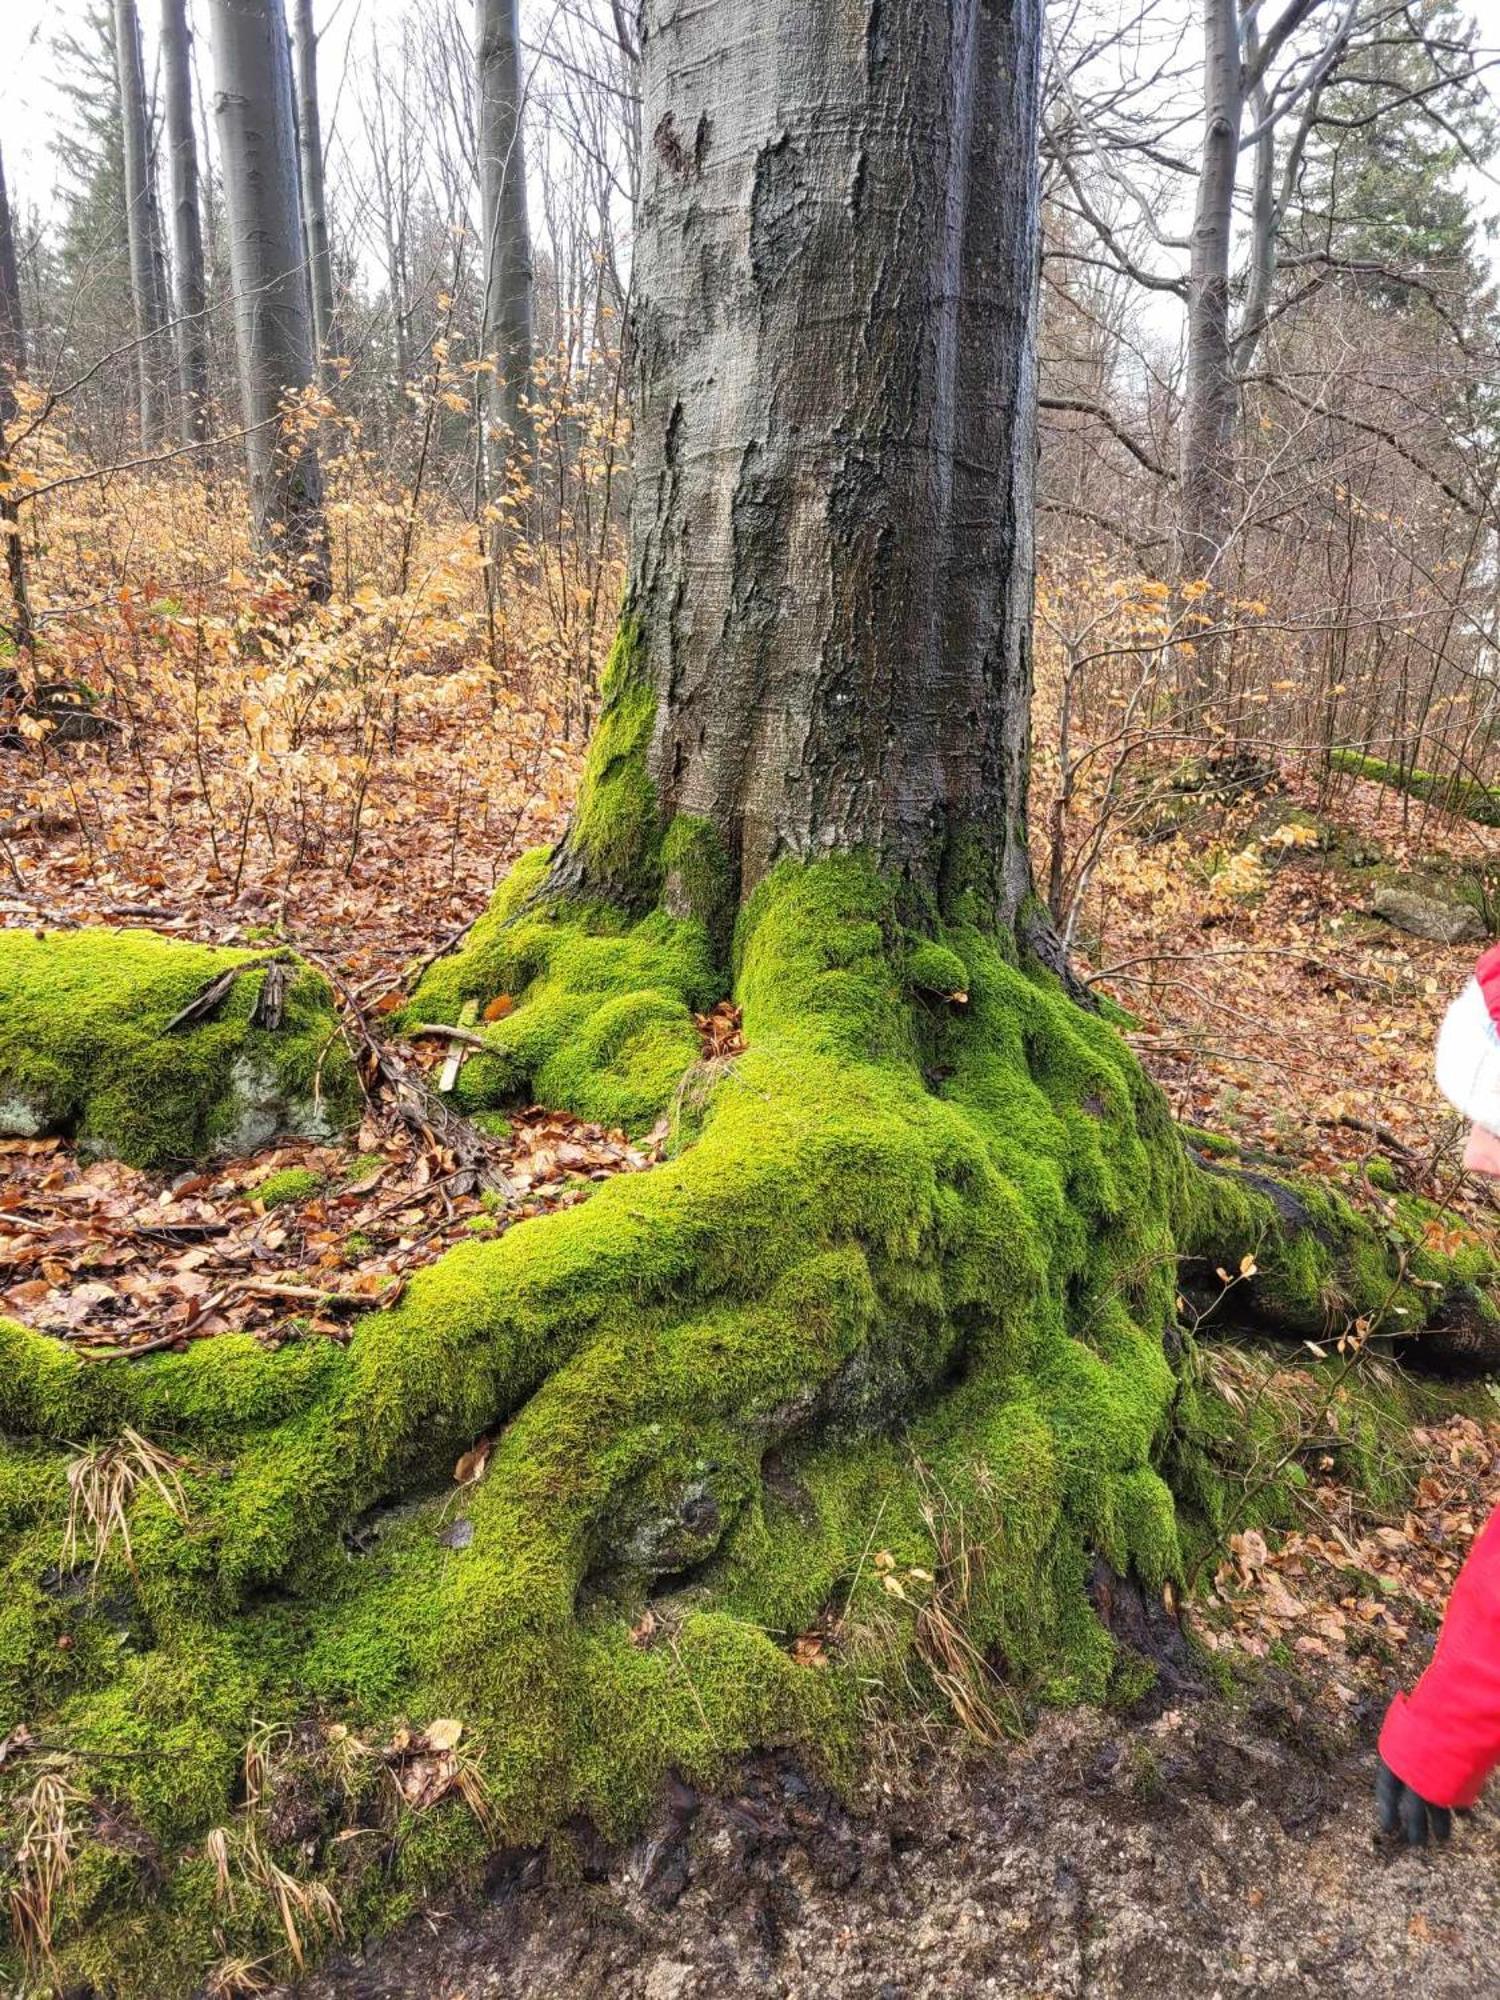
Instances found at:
x=1487 y=978
x=1443 y=1739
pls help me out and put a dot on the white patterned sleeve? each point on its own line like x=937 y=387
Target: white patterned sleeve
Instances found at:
x=1468 y=1059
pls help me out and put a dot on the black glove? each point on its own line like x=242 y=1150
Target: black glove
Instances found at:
x=1406 y=1812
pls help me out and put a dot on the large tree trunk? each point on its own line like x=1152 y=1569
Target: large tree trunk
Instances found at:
x=190 y=291
x=505 y=329
x=257 y=150
x=314 y=199
x=139 y=230
x=835 y=436
x=878 y=1361
x=1210 y=408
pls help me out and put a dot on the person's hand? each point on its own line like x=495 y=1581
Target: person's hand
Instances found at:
x=1406 y=1812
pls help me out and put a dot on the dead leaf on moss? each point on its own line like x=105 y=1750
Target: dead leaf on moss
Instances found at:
x=470 y=1468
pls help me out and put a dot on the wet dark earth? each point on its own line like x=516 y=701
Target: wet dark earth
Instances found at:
x=1205 y=1850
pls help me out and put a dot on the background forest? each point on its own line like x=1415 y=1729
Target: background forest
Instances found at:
x=316 y=487
x=1269 y=379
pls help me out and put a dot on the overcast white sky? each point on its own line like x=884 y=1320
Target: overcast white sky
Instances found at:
x=31 y=106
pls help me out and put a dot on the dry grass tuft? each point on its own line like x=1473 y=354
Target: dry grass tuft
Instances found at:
x=301 y=1907
x=42 y=1863
x=236 y=1977
x=102 y=1482
x=984 y=1706
x=239 y=1858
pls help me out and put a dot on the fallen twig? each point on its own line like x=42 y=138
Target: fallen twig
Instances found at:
x=465 y=1035
x=1372 y=1129
x=273 y=1288
x=411 y=1101
x=218 y=989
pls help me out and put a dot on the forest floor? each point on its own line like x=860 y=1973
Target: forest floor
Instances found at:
x=1207 y=1843
x=1211 y=1842
x=1202 y=1853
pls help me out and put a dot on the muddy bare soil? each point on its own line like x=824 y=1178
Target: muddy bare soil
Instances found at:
x=1202 y=1851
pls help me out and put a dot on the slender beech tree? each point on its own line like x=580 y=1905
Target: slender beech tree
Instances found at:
x=314 y=198
x=190 y=292
x=1268 y=77
x=140 y=228
x=909 y=1270
x=12 y=368
x=1239 y=72
x=505 y=328
x=253 y=112
x=12 y=319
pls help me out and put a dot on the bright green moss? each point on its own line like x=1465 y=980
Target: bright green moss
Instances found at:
x=906 y=1293
x=934 y=970
x=697 y=879
x=291 y=1184
x=1453 y=793
x=485 y=964
x=1214 y=1144
x=85 y=1049
x=615 y=829
x=603 y=1020
x=1320 y=1264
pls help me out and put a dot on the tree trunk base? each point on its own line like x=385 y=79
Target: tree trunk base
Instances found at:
x=843 y=1404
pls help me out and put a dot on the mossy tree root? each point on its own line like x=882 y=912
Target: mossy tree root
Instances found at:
x=1320 y=1268
x=1469 y=798
x=906 y=1288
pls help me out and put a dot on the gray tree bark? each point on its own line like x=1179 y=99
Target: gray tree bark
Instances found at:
x=12 y=367
x=314 y=197
x=273 y=330
x=190 y=297
x=1211 y=403
x=505 y=332
x=834 y=294
x=139 y=205
x=12 y=319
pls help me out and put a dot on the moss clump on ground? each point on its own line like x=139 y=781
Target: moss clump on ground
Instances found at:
x=1256 y=1427
x=292 y=1184
x=1466 y=797
x=906 y=1297
x=86 y=1049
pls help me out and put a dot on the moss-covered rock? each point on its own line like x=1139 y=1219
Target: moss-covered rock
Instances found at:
x=888 y=1345
x=87 y=1048
x=1430 y=917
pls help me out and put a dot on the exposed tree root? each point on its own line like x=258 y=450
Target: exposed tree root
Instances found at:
x=882 y=1354
x=1323 y=1269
